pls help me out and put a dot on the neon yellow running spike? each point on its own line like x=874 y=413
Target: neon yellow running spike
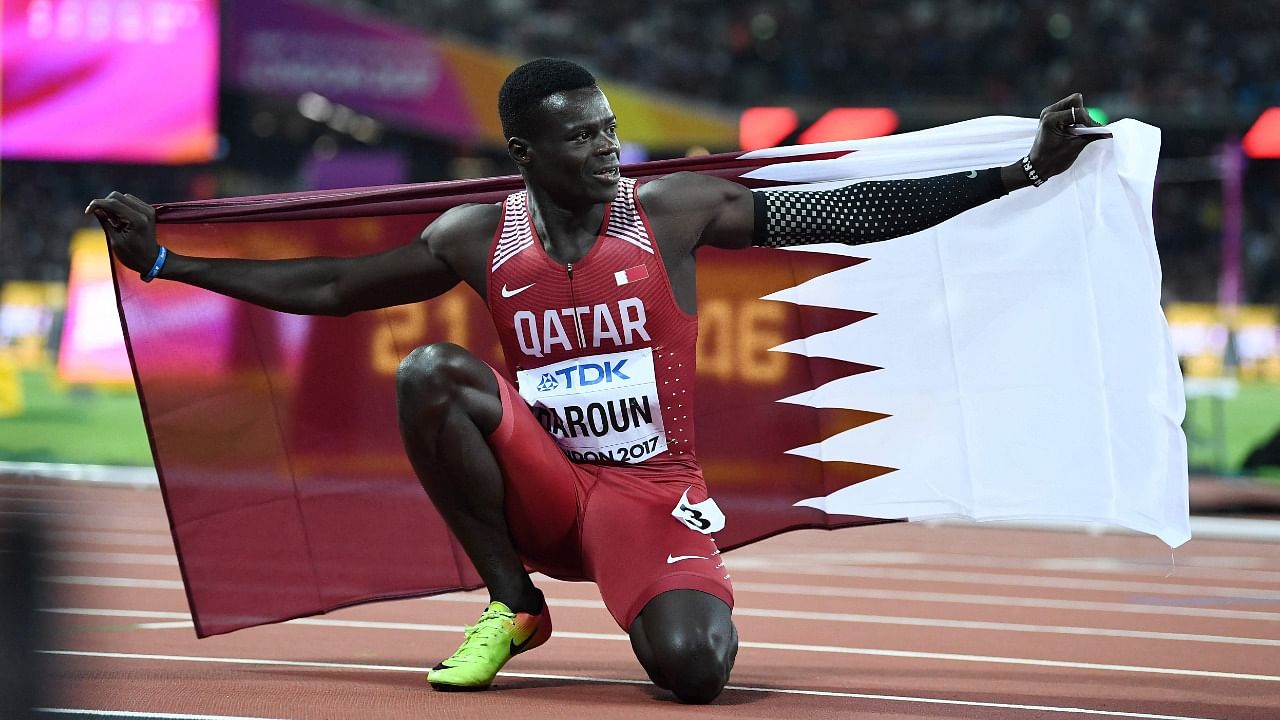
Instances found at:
x=498 y=635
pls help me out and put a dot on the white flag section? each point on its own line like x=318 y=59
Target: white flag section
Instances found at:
x=1026 y=364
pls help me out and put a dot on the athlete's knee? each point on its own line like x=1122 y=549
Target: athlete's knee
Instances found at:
x=695 y=661
x=432 y=377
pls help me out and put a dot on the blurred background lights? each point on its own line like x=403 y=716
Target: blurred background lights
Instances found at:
x=1059 y=26
x=313 y=106
x=1263 y=139
x=764 y=26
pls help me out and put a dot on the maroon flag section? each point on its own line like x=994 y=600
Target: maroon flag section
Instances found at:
x=275 y=435
x=743 y=432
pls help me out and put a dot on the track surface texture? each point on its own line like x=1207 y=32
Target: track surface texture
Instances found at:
x=897 y=621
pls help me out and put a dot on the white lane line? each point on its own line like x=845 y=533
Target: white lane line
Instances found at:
x=1225 y=528
x=39 y=508
x=100 y=521
x=114 y=582
x=836 y=649
x=1002 y=627
x=971 y=703
x=925 y=622
x=184 y=624
x=744 y=565
x=996 y=660
x=760 y=613
x=137 y=714
x=110 y=612
x=143 y=477
x=102 y=558
x=162 y=540
x=852 y=560
x=235 y=661
x=821 y=591
x=1001 y=601
x=1202 y=527
x=769 y=614
x=939 y=622
x=627 y=681
x=144 y=503
x=1234 y=568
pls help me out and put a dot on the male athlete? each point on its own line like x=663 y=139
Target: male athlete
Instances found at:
x=579 y=461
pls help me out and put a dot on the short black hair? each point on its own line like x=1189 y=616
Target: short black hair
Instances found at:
x=532 y=82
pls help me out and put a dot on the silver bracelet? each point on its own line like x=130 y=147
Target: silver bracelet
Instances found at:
x=1030 y=170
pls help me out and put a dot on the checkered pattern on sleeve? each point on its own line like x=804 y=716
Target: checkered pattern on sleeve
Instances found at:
x=869 y=211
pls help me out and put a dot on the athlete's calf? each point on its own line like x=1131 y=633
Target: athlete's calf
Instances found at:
x=448 y=404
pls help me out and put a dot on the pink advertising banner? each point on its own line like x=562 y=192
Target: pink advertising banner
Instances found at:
x=110 y=81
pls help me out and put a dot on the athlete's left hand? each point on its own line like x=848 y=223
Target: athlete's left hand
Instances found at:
x=1056 y=146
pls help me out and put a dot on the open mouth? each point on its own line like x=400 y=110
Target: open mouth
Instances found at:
x=607 y=173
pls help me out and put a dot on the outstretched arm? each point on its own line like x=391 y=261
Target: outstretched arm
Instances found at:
x=880 y=210
x=304 y=286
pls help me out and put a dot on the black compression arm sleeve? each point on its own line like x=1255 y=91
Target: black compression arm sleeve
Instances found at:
x=869 y=211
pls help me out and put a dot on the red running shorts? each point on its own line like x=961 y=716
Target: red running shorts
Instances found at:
x=609 y=524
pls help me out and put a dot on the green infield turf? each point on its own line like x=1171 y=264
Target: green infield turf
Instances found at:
x=74 y=424
x=103 y=426
x=1223 y=436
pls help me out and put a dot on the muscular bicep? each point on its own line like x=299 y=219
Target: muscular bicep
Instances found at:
x=445 y=254
x=733 y=223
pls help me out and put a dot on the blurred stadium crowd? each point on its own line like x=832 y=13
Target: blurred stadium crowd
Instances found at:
x=1201 y=71
x=1201 y=57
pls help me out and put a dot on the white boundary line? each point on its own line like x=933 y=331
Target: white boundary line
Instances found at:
x=114 y=582
x=1217 y=568
x=1203 y=527
x=133 y=476
x=815 y=590
x=625 y=681
x=994 y=579
x=1001 y=601
x=134 y=539
x=138 y=714
x=793 y=647
x=104 y=558
x=768 y=566
x=1213 y=574
x=185 y=621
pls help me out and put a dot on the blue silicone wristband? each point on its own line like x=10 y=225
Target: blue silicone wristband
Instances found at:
x=151 y=274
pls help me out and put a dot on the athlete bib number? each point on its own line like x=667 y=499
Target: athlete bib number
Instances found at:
x=599 y=408
x=704 y=517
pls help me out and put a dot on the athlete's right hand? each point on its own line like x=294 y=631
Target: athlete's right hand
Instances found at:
x=130 y=225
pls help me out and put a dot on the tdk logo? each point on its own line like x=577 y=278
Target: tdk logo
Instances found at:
x=584 y=375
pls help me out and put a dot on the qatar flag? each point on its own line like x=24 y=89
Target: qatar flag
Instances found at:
x=1010 y=363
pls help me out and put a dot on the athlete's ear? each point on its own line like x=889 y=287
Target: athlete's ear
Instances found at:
x=519 y=151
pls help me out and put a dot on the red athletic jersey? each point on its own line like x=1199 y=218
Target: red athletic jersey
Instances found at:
x=599 y=348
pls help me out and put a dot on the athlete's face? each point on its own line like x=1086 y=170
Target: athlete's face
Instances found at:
x=572 y=153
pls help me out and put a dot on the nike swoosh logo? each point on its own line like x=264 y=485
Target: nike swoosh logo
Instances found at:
x=512 y=293
x=517 y=648
x=678 y=558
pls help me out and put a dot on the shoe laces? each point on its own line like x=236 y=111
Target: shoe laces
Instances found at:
x=493 y=628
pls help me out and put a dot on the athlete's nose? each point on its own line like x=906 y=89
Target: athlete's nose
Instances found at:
x=608 y=146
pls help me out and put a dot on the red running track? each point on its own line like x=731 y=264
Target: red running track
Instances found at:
x=898 y=621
